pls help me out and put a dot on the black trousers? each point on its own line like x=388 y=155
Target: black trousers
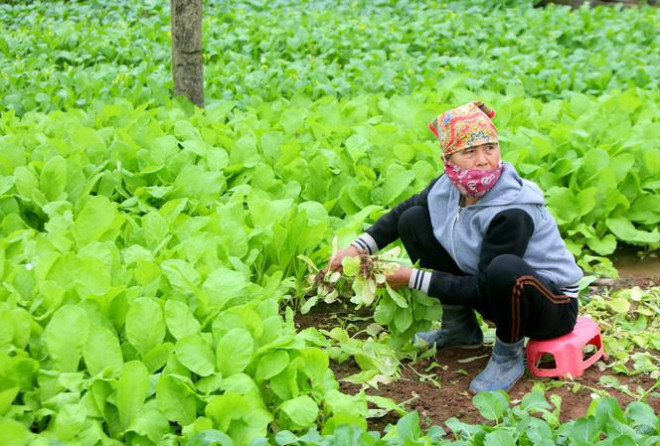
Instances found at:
x=510 y=293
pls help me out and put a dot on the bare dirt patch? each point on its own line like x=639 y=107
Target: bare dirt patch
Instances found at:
x=452 y=398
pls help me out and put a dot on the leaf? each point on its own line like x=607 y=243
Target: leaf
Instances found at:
x=539 y=433
x=65 y=336
x=224 y=285
x=534 y=401
x=619 y=305
x=584 y=432
x=604 y=246
x=185 y=130
x=624 y=230
x=25 y=181
x=234 y=351
x=641 y=415
x=225 y=408
x=158 y=357
x=385 y=311
x=13 y=433
x=271 y=364
x=210 y=437
x=636 y=294
x=145 y=326
x=194 y=182
x=386 y=404
x=6 y=183
x=491 y=405
x=180 y=320
x=499 y=437
x=102 y=350
x=309 y=303
x=150 y=423
x=315 y=363
x=209 y=384
x=52 y=181
x=7 y=397
x=97 y=216
x=181 y=274
x=172 y=209
x=69 y=421
x=408 y=427
x=309 y=262
x=146 y=272
x=564 y=205
x=393 y=187
x=93 y=277
x=350 y=265
x=283 y=438
x=396 y=297
x=264 y=211
x=176 y=401
x=131 y=392
x=404 y=152
x=365 y=291
x=357 y=146
x=595 y=161
x=645 y=209
x=244 y=151
x=403 y=319
x=195 y=354
x=651 y=158
x=6 y=330
x=302 y=412
x=586 y=199
x=155 y=228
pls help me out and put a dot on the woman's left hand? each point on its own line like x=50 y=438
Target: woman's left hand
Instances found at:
x=399 y=278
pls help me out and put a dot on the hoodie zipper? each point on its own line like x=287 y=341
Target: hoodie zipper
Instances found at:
x=451 y=237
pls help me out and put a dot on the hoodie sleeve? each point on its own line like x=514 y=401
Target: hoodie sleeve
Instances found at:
x=386 y=228
x=508 y=233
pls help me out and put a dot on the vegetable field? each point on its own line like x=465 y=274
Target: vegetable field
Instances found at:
x=155 y=257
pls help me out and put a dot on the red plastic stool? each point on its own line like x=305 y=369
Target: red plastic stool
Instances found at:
x=567 y=350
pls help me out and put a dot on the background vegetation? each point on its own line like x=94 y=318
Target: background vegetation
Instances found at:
x=148 y=248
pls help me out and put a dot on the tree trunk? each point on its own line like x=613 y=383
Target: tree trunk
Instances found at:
x=187 y=68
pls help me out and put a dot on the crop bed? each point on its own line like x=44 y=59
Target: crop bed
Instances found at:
x=436 y=387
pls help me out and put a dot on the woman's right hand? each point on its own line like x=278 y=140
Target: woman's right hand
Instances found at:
x=335 y=263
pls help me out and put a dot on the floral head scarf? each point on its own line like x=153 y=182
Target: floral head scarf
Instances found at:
x=466 y=126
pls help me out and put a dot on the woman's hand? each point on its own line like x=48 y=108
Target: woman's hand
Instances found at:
x=399 y=278
x=335 y=264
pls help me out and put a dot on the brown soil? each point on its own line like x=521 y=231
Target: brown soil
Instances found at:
x=447 y=395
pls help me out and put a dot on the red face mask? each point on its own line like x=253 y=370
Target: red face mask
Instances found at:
x=472 y=183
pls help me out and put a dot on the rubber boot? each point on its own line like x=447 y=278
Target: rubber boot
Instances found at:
x=504 y=369
x=458 y=328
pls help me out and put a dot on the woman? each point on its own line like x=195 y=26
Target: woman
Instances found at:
x=488 y=243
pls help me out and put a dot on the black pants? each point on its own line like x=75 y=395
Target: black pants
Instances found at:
x=510 y=292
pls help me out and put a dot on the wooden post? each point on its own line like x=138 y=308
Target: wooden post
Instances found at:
x=187 y=68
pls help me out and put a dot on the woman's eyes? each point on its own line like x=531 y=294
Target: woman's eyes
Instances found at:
x=470 y=152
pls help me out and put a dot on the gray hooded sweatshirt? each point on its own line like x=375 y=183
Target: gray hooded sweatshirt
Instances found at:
x=461 y=230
